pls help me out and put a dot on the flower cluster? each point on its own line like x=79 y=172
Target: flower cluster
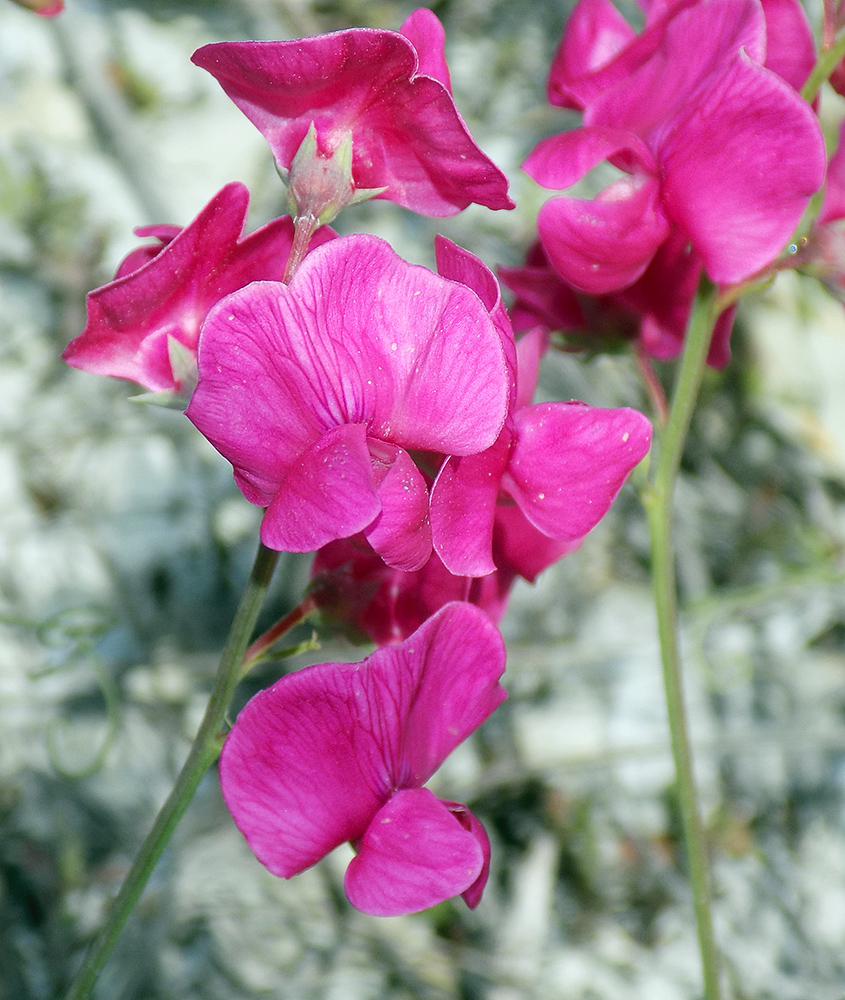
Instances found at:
x=381 y=414
x=717 y=156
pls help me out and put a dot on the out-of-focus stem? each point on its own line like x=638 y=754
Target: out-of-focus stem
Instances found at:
x=659 y=502
x=826 y=64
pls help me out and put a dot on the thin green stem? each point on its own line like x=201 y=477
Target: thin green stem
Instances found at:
x=827 y=63
x=203 y=752
x=659 y=502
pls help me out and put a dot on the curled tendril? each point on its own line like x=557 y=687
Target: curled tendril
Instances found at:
x=108 y=689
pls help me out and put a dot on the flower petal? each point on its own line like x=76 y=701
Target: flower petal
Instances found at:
x=739 y=168
x=444 y=681
x=521 y=549
x=603 y=245
x=790 y=49
x=311 y=759
x=460 y=265
x=691 y=44
x=472 y=895
x=401 y=534
x=415 y=854
x=569 y=461
x=296 y=770
x=130 y=318
x=463 y=508
x=406 y=132
x=560 y=161
x=329 y=492
x=595 y=33
x=424 y=31
x=358 y=336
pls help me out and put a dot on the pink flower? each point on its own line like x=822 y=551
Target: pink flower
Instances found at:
x=144 y=325
x=654 y=310
x=388 y=92
x=711 y=143
x=600 y=50
x=318 y=390
x=340 y=751
x=355 y=589
x=560 y=464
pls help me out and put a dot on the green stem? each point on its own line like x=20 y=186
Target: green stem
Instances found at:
x=827 y=63
x=203 y=752
x=659 y=501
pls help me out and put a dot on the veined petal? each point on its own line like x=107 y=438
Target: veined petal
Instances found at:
x=463 y=507
x=329 y=492
x=444 y=681
x=297 y=769
x=130 y=318
x=424 y=31
x=414 y=355
x=460 y=265
x=359 y=336
x=407 y=135
x=569 y=461
x=401 y=534
x=311 y=759
x=739 y=168
x=603 y=245
x=414 y=854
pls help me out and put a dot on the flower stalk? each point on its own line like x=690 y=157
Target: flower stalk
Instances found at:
x=203 y=752
x=659 y=501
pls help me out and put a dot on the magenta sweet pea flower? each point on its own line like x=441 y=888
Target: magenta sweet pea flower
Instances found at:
x=340 y=751
x=600 y=50
x=144 y=325
x=386 y=92
x=653 y=311
x=560 y=464
x=317 y=392
x=711 y=143
x=357 y=591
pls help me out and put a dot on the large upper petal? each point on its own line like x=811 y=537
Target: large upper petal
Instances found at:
x=406 y=132
x=311 y=759
x=358 y=336
x=569 y=461
x=695 y=42
x=415 y=853
x=739 y=167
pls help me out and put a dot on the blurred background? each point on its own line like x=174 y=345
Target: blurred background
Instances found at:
x=125 y=546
